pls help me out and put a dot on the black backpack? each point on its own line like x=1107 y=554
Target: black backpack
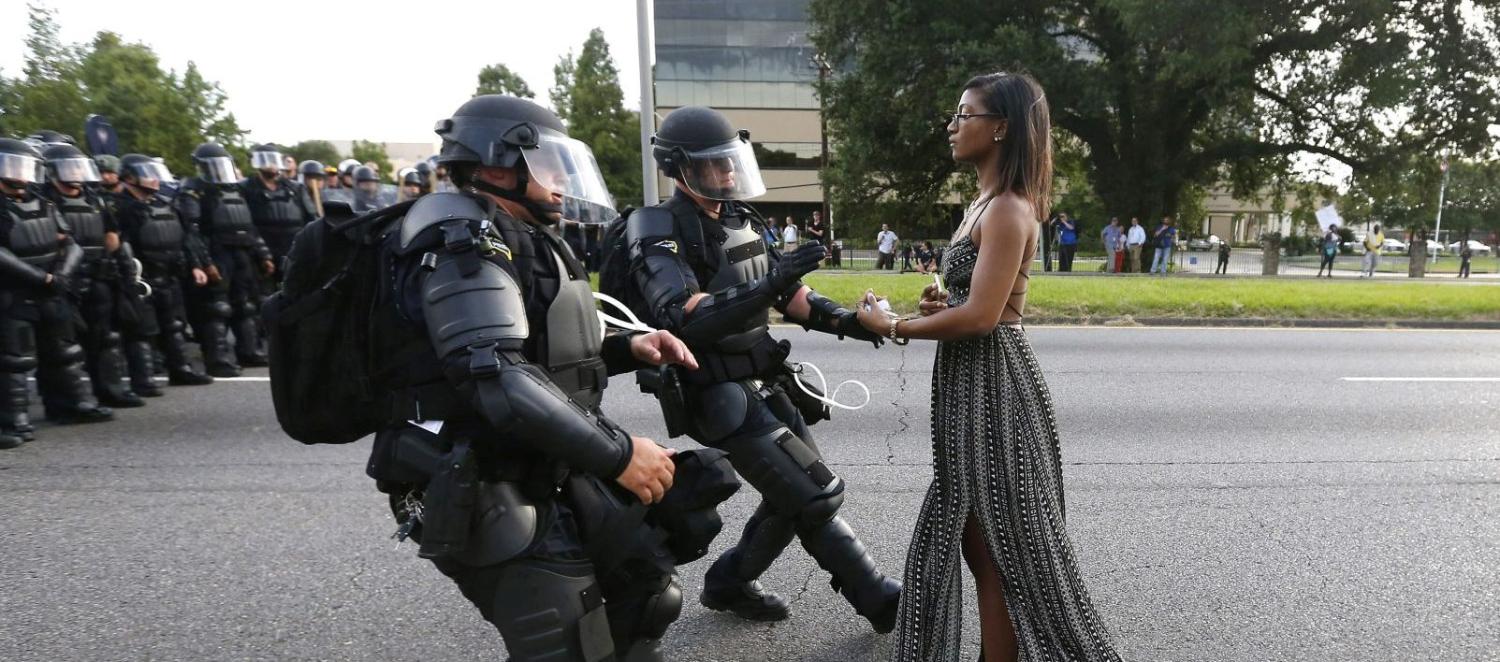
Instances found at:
x=319 y=327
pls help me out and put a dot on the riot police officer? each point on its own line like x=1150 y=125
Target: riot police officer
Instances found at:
x=424 y=173
x=109 y=173
x=37 y=259
x=279 y=206
x=513 y=364
x=71 y=179
x=214 y=203
x=313 y=179
x=702 y=268
x=411 y=184
x=168 y=252
x=366 y=190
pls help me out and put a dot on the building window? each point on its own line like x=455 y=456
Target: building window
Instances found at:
x=784 y=156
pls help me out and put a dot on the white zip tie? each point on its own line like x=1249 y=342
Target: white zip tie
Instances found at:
x=832 y=399
x=634 y=323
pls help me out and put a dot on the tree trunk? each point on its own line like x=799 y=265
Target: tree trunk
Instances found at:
x=1270 y=262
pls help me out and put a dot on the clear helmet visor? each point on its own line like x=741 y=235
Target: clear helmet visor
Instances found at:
x=567 y=167
x=20 y=168
x=724 y=172
x=217 y=170
x=267 y=160
x=149 y=175
x=75 y=171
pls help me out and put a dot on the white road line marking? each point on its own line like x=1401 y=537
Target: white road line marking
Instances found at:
x=1421 y=379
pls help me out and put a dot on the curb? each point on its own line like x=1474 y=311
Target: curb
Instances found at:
x=1264 y=322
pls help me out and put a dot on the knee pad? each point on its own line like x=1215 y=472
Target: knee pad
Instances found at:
x=784 y=469
x=551 y=611
x=721 y=409
x=17 y=347
x=249 y=308
x=821 y=509
x=71 y=353
x=174 y=325
x=221 y=309
x=660 y=610
x=111 y=339
x=17 y=363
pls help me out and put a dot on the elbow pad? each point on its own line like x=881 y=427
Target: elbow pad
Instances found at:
x=72 y=257
x=725 y=312
x=520 y=401
x=14 y=267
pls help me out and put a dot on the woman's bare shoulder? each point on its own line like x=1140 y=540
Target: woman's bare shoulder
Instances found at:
x=1008 y=216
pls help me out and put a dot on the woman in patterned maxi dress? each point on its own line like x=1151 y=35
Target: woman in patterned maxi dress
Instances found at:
x=997 y=494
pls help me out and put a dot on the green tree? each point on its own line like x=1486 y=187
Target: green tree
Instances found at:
x=47 y=95
x=587 y=96
x=154 y=111
x=321 y=151
x=1164 y=96
x=562 y=85
x=366 y=151
x=499 y=79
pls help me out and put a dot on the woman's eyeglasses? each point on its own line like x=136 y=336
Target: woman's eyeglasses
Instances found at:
x=959 y=117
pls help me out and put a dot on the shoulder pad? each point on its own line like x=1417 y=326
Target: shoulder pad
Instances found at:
x=650 y=222
x=436 y=208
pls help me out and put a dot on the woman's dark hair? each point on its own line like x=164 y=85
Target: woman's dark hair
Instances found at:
x=1026 y=147
x=927 y=245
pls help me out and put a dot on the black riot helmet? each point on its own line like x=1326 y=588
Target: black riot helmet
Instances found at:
x=215 y=165
x=20 y=163
x=311 y=169
x=108 y=163
x=68 y=165
x=267 y=157
x=500 y=131
x=412 y=178
x=699 y=147
x=50 y=137
x=145 y=172
x=366 y=174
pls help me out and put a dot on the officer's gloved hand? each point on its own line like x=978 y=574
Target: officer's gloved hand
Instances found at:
x=849 y=327
x=57 y=284
x=793 y=267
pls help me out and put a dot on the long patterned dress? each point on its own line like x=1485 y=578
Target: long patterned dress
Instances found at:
x=996 y=455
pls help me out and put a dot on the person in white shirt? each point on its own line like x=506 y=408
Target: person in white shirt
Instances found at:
x=1134 y=240
x=885 y=245
x=789 y=236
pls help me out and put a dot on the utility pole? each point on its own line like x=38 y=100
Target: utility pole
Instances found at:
x=648 y=101
x=1442 y=192
x=823 y=132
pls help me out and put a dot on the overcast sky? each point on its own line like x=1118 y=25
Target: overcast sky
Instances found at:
x=383 y=71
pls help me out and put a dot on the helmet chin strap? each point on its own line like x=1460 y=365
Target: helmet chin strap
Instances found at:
x=539 y=212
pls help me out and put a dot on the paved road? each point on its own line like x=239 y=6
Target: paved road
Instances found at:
x=1232 y=497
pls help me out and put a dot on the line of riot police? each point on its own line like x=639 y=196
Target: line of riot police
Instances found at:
x=110 y=265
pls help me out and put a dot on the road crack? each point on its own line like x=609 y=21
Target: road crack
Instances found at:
x=903 y=422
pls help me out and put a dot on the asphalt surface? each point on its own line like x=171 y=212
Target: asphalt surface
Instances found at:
x=1231 y=497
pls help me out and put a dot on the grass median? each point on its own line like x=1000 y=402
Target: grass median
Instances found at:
x=1105 y=297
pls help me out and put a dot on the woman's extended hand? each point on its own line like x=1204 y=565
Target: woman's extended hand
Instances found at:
x=933 y=300
x=872 y=317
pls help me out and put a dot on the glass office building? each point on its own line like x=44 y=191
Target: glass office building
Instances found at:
x=751 y=59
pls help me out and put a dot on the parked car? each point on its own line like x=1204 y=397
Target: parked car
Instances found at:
x=1479 y=249
x=1394 y=246
x=1199 y=244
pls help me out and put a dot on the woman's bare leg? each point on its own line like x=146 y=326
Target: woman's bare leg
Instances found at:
x=997 y=635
